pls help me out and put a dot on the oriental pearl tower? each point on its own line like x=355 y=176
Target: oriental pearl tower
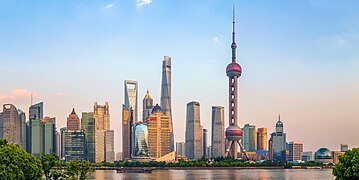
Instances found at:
x=233 y=132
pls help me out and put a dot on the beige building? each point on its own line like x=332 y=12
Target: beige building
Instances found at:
x=262 y=139
x=194 y=135
x=126 y=133
x=99 y=146
x=295 y=151
x=336 y=155
x=109 y=146
x=159 y=134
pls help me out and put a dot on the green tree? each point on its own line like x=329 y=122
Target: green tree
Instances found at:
x=52 y=168
x=348 y=166
x=16 y=163
x=78 y=170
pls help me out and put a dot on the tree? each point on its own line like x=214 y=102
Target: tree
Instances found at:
x=16 y=163
x=78 y=170
x=348 y=166
x=51 y=167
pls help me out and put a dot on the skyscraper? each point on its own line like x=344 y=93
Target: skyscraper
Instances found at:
x=74 y=145
x=104 y=137
x=62 y=142
x=126 y=133
x=279 y=142
x=109 y=146
x=180 y=149
x=147 y=106
x=73 y=121
x=194 y=135
x=22 y=119
x=48 y=135
x=166 y=103
x=159 y=133
x=233 y=132
x=102 y=116
x=141 y=140
x=249 y=139
x=205 y=131
x=36 y=138
x=262 y=139
x=100 y=144
x=131 y=96
x=295 y=151
x=36 y=112
x=218 y=140
x=11 y=124
x=88 y=126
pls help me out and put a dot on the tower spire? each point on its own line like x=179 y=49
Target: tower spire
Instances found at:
x=234 y=45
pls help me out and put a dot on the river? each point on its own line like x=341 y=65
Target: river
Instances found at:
x=242 y=174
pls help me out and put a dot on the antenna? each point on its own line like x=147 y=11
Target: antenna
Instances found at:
x=31 y=99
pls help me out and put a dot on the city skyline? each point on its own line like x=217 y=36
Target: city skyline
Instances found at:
x=321 y=81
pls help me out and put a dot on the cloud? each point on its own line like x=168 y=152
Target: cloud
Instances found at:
x=140 y=3
x=60 y=94
x=108 y=6
x=16 y=96
x=218 y=39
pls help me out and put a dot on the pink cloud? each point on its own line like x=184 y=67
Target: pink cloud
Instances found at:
x=16 y=95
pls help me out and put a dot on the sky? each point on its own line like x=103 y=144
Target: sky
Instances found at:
x=300 y=59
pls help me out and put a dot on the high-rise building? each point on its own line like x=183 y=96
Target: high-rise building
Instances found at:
x=208 y=152
x=279 y=142
x=48 y=135
x=218 y=139
x=28 y=139
x=73 y=121
x=126 y=133
x=166 y=103
x=11 y=124
x=102 y=116
x=159 y=134
x=88 y=126
x=180 y=149
x=307 y=156
x=194 y=132
x=141 y=140
x=249 y=139
x=295 y=151
x=204 y=146
x=110 y=146
x=344 y=147
x=74 y=145
x=36 y=138
x=233 y=132
x=1 y=125
x=262 y=139
x=100 y=146
x=147 y=106
x=58 y=144
x=22 y=119
x=62 y=143
x=36 y=112
x=131 y=96
x=270 y=148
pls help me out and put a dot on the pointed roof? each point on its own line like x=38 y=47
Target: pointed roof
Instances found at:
x=234 y=45
x=279 y=123
x=157 y=108
x=148 y=96
x=73 y=111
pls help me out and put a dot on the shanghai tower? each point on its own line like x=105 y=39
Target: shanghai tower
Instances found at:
x=233 y=132
x=166 y=104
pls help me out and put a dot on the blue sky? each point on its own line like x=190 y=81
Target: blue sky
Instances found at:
x=299 y=59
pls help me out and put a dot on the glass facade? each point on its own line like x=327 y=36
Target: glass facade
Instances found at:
x=141 y=141
x=49 y=138
x=74 y=145
x=88 y=125
x=36 y=146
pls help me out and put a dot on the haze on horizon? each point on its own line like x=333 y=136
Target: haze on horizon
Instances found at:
x=300 y=59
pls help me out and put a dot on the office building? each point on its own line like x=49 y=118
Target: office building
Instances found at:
x=141 y=140
x=307 y=156
x=278 y=139
x=295 y=151
x=22 y=119
x=166 y=97
x=102 y=116
x=48 y=135
x=74 y=145
x=118 y=156
x=104 y=137
x=62 y=143
x=218 y=140
x=147 y=106
x=208 y=152
x=10 y=124
x=36 y=138
x=180 y=149
x=36 y=112
x=88 y=126
x=194 y=132
x=73 y=121
x=262 y=139
x=58 y=144
x=100 y=146
x=344 y=147
x=249 y=139
x=204 y=146
x=110 y=146
x=131 y=96
x=159 y=134
x=126 y=133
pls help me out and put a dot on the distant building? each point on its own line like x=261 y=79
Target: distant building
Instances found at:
x=131 y=96
x=104 y=137
x=58 y=144
x=262 y=139
x=102 y=116
x=62 y=143
x=88 y=126
x=126 y=133
x=208 y=152
x=110 y=146
x=36 y=139
x=344 y=147
x=10 y=125
x=36 y=112
x=159 y=134
x=323 y=155
x=141 y=140
x=249 y=139
x=336 y=155
x=295 y=151
x=73 y=121
x=278 y=142
x=218 y=140
x=48 y=135
x=74 y=145
x=204 y=146
x=118 y=156
x=147 y=106
x=100 y=146
x=194 y=135
x=258 y=155
x=307 y=156
x=22 y=119
x=180 y=149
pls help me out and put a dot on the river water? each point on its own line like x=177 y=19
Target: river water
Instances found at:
x=296 y=174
